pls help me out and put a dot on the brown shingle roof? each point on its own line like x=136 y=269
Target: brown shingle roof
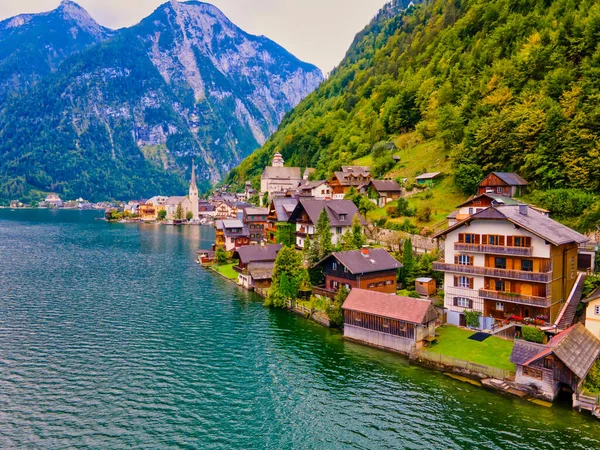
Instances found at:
x=534 y=222
x=523 y=351
x=255 y=253
x=511 y=178
x=391 y=306
x=357 y=262
x=593 y=296
x=335 y=209
x=386 y=186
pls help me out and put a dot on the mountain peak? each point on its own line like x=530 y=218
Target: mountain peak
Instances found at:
x=69 y=10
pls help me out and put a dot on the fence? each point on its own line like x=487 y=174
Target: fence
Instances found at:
x=492 y=372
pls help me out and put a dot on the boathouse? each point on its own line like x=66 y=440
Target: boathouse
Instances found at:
x=389 y=321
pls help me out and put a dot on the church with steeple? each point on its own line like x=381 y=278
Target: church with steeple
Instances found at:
x=193 y=194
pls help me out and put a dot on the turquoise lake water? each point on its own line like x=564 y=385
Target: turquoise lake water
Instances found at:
x=112 y=337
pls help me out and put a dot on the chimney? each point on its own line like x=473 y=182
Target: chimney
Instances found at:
x=365 y=251
x=523 y=209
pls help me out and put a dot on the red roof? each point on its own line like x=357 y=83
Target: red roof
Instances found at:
x=391 y=306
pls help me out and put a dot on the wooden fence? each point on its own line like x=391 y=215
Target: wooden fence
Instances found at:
x=492 y=372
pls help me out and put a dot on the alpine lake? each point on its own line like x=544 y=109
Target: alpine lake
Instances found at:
x=111 y=336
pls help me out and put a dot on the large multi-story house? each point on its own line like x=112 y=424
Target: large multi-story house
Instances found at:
x=502 y=183
x=256 y=221
x=509 y=260
x=370 y=269
x=341 y=182
x=319 y=190
x=231 y=234
x=341 y=213
x=280 y=210
x=277 y=178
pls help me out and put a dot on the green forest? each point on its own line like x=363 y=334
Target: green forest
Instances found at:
x=502 y=85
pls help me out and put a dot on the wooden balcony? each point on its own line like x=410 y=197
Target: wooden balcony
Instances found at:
x=530 y=300
x=241 y=270
x=323 y=291
x=539 y=277
x=493 y=249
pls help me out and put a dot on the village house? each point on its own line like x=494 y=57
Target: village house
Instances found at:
x=509 y=260
x=592 y=313
x=428 y=179
x=256 y=220
x=383 y=192
x=372 y=269
x=280 y=210
x=255 y=267
x=561 y=364
x=402 y=324
x=174 y=202
x=231 y=234
x=225 y=210
x=502 y=183
x=278 y=178
x=53 y=201
x=342 y=181
x=206 y=210
x=16 y=204
x=319 y=190
x=307 y=212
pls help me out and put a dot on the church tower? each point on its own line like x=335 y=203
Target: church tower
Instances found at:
x=278 y=160
x=194 y=198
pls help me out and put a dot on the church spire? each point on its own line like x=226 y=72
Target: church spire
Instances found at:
x=193 y=183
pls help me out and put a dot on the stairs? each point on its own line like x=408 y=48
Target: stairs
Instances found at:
x=567 y=315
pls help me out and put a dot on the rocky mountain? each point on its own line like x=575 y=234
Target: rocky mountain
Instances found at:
x=125 y=117
x=34 y=45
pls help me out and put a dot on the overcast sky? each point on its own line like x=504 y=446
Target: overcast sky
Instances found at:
x=317 y=31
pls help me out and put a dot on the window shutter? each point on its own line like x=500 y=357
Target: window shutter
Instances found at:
x=470 y=304
x=477 y=239
x=527 y=242
x=509 y=241
x=461 y=237
x=455 y=281
x=471 y=260
x=470 y=283
x=455 y=300
x=455 y=259
x=501 y=240
x=485 y=239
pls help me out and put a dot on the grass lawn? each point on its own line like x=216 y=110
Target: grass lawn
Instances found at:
x=493 y=352
x=227 y=271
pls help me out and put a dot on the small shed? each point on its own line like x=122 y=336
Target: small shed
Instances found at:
x=428 y=179
x=425 y=286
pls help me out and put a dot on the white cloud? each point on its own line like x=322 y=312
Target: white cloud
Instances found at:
x=317 y=31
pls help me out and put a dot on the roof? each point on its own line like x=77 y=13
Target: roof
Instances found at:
x=261 y=270
x=452 y=215
x=424 y=280
x=428 y=176
x=534 y=222
x=391 y=306
x=356 y=169
x=257 y=211
x=232 y=223
x=511 y=178
x=386 y=186
x=523 y=351
x=284 y=206
x=576 y=347
x=312 y=185
x=174 y=201
x=282 y=173
x=255 y=253
x=498 y=199
x=593 y=296
x=335 y=210
x=358 y=262
x=348 y=171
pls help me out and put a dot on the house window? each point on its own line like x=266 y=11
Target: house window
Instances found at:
x=357 y=317
x=500 y=263
x=500 y=286
x=499 y=306
x=548 y=363
x=464 y=260
x=347 y=286
x=389 y=282
x=493 y=239
x=462 y=302
x=499 y=190
x=338 y=230
x=334 y=284
x=527 y=265
x=520 y=241
x=345 y=269
x=470 y=238
x=371 y=285
x=342 y=217
x=471 y=211
x=464 y=282
x=386 y=323
x=533 y=373
x=572 y=264
x=334 y=266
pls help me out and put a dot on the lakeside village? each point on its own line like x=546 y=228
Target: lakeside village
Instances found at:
x=501 y=295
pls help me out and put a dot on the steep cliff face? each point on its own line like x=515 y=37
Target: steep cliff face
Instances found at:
x=131 y=112
x=34 y=45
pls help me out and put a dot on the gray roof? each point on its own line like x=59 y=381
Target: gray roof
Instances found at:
x=499 y=199
x=174 y=201
x=257 y=211
x=254 y=253
x=232 y=223
x=524 y=351
x=312 y=184
x=534 y=222
x=511 y=178
x=424 y=280
x=284 y=206
x=578 y=348
x=335 y=209
x=282 y=173
x=386 y=186
x=452 y=215
x=356 y=169
x=428 y=176
x=261 y=270
x=357 y=262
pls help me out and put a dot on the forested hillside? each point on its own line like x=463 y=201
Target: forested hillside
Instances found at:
x=509 y=85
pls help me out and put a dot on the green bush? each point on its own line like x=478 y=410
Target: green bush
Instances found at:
x=532 y=334
x=592 y=381
x=472 y=318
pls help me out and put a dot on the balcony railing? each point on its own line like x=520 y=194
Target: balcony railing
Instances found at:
x=323 y=291
x=241 y=270
x=494 y=249
x=540 y=302
x=540 y=277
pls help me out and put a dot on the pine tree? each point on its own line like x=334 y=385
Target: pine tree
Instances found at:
x=358 y=236
x=408 y=263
